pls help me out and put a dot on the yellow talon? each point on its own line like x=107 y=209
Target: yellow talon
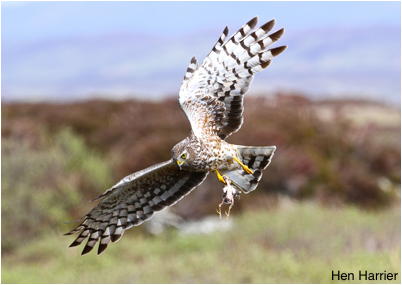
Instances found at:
x=245 y=167
x=220 y=177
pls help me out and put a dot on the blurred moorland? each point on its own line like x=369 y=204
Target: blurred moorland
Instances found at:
x=335 y=178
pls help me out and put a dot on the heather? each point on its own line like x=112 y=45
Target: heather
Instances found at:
x=334 y=177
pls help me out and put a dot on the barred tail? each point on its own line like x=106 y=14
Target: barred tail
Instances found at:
x=256 y=158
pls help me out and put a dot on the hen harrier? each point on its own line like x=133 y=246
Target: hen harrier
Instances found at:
x=211 y=96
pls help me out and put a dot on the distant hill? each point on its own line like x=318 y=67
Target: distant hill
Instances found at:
x=358 y=62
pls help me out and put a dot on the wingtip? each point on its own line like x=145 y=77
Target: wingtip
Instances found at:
x=73 y=231
x=253 y=22
x=268 y=25
x=276 y=36
x=74 y=243
x=278 y=50
x=102 y=247
x=265 y=64
x=86 y=249
x=115 y=237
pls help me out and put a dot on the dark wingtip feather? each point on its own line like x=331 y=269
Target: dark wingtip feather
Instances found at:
x=74 y=243
x=275 y=36
x=86 y=249
x=102 y=247
x=252 y=22
x=268 y=25
x=265 y=64
x=193 y=60
x=73 y=231
x=226 y=31
x=278 y=50
x=114 y=238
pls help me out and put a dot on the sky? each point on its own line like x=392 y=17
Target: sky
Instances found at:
x=53 y=50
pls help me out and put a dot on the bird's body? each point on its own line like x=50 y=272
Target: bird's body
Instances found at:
x=208 y=153
x=211 y=96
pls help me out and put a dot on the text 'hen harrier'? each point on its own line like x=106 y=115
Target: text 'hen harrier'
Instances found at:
x=211 y=95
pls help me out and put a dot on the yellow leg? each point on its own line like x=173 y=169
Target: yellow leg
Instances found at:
x=220 y=177
x=219 y=210
x=228 y=211
x=245 y=168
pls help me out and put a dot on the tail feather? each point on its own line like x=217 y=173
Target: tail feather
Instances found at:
x=256 y=158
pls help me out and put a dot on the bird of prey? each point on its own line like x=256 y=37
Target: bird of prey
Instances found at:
x=211 y=96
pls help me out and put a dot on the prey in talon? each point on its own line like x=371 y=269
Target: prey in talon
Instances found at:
x=229 y=194
x=211 y=96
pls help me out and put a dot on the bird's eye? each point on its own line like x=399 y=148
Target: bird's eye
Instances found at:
x=183 y=156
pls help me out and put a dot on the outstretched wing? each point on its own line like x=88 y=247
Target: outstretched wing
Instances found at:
x=211 y=94
x=132 y=201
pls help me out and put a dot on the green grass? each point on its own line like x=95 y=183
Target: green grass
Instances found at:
x=299 y=243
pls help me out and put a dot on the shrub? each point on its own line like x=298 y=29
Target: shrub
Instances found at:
x=44 y=185
x=333 y=160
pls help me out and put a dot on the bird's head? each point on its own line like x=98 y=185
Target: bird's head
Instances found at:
x=183 y=154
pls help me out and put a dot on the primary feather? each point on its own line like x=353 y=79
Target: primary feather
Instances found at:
x=132 y=201
x=212 y=98
x=212 y=94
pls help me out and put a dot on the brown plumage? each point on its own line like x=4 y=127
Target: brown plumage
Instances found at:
x=211 y=96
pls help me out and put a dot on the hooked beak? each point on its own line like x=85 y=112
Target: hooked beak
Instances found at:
x=179 y=163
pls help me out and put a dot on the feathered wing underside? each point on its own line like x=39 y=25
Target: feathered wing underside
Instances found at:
x=211 y=94
x=132 y=201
